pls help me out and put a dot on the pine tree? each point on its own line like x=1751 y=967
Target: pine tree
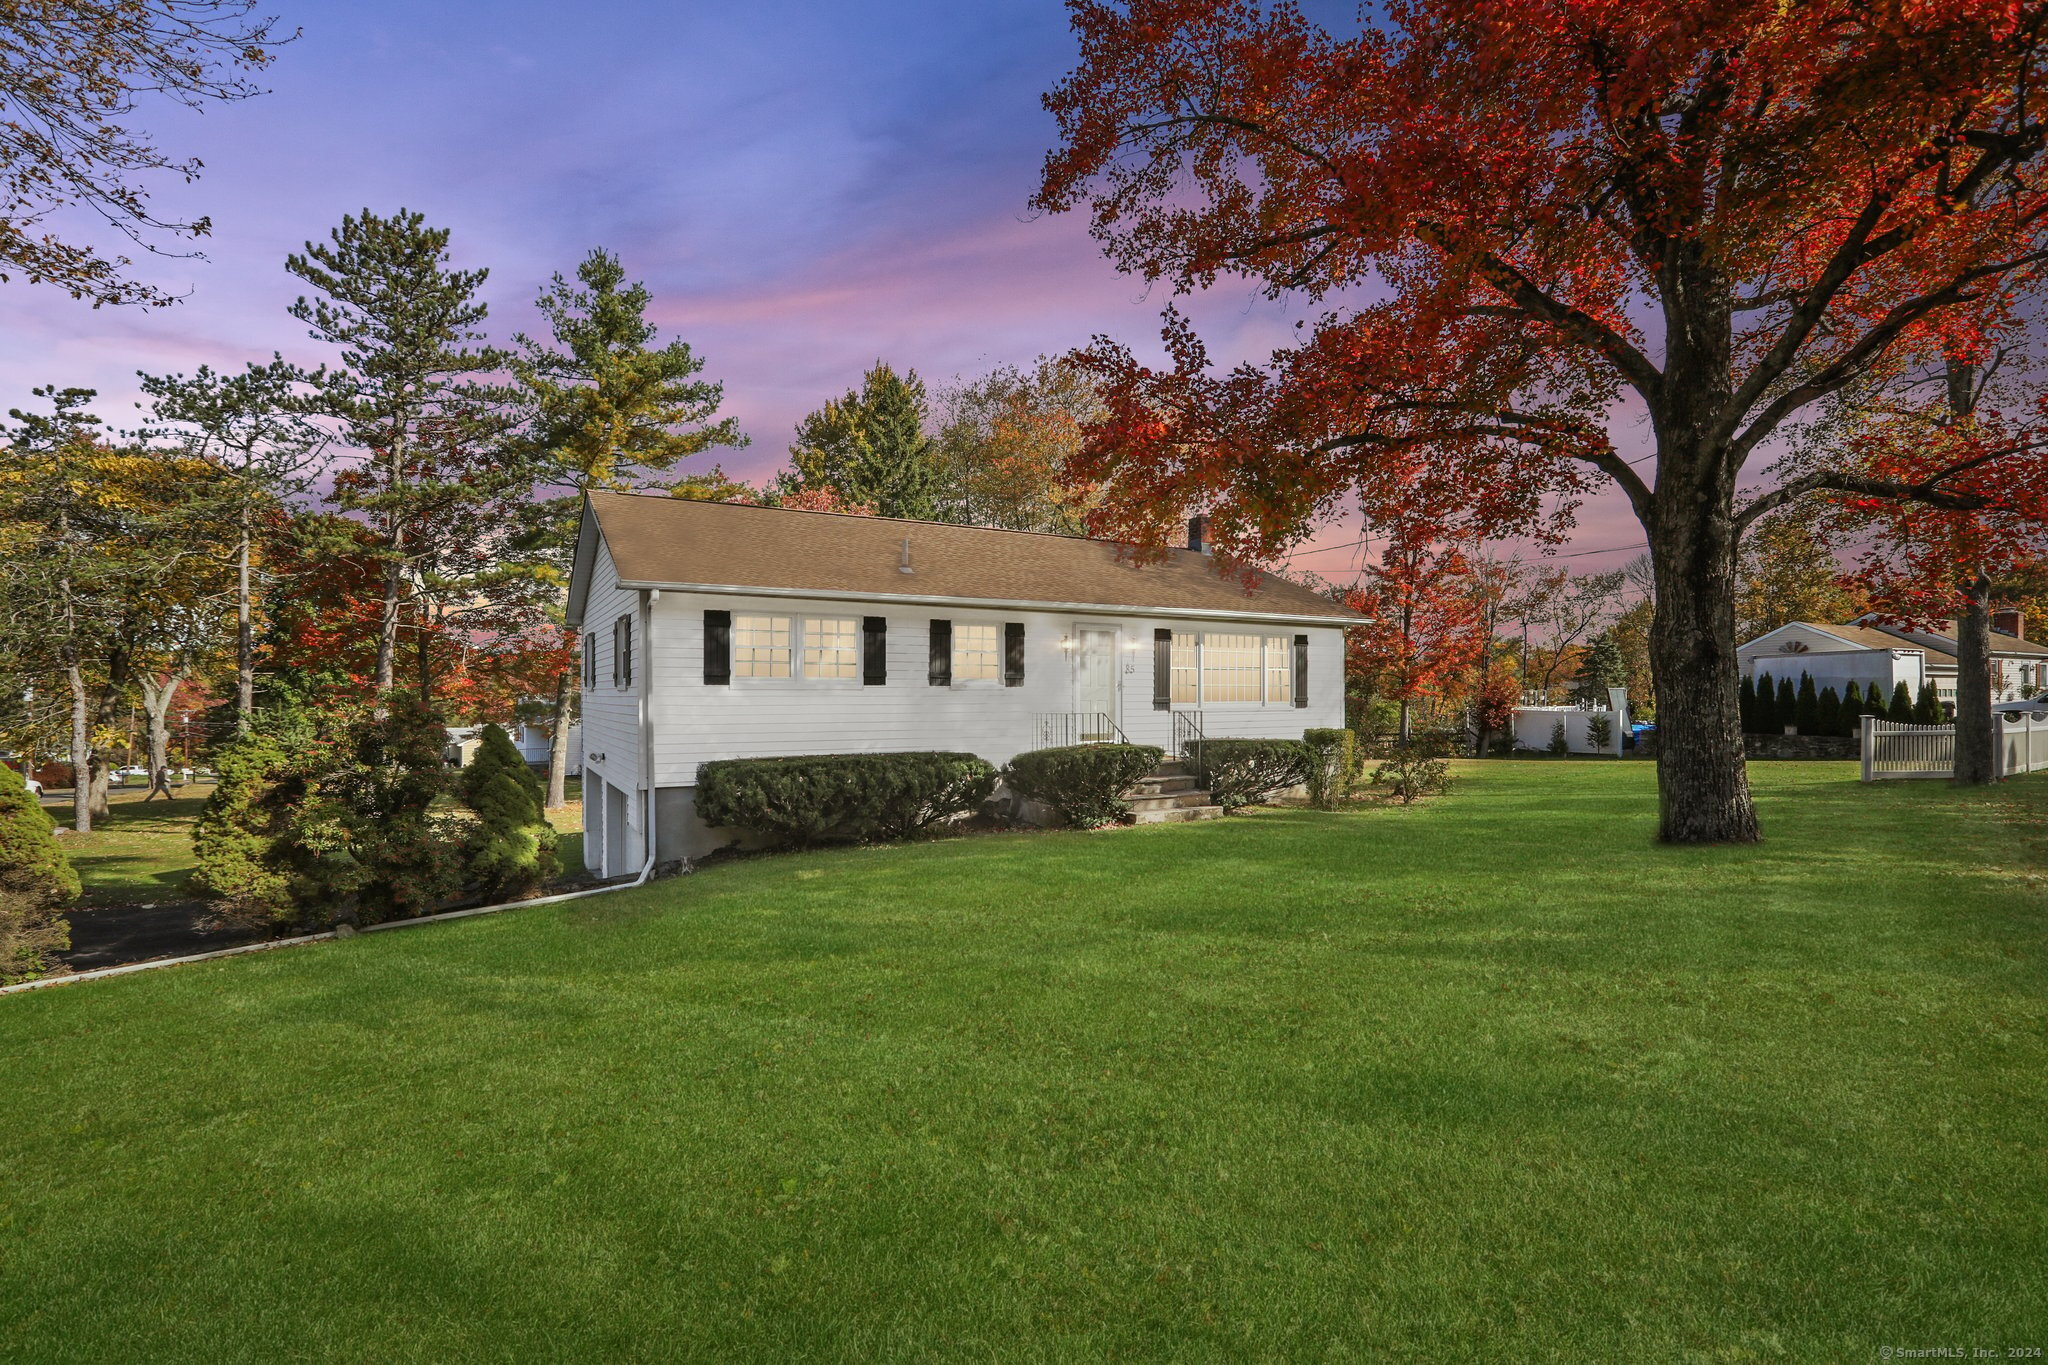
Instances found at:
x=238 y=828
x=1601 y=667
x=512 y=847
x=1806 y=707
x=608 y=406
x=1747 y=705
x=36 y=883
x=1927 y=710
x=1828 y=712
x=1852 y=708
x=870 y=447
x=1873 y=699
x=410 y=395
x=1900 y=712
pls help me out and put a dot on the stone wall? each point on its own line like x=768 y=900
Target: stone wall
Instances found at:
x=1801 y=746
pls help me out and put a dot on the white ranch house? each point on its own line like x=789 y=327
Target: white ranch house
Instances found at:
x=720 y=630
x=1866 y=651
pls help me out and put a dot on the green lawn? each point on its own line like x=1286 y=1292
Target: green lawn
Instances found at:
x=1491 y=1078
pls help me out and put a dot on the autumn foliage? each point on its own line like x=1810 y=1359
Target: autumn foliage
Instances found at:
x=1512 y=220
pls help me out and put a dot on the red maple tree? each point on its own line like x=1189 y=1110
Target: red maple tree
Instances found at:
x=1425 y=634
x=1520 y=217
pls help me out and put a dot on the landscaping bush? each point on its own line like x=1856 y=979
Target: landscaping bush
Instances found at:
x=1560 y=746
x=1787 y=709
x=1084 y=783
x=1827 y=712
x=36 y=883
x=235 y=837
x=512 y=846
x=1417 y=766
x=1928 y=710
x=1853 y=709
x=805 y=799
x=359 y=841
x=1332 y=766
x=1600 y=731
x=1244 y=772
x=1745 y=703
x=1901 y=710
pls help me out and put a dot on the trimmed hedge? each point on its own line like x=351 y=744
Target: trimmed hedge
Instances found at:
x=1085 y=783
x=1332 y=766
x=814 y=797
x=1244 y=772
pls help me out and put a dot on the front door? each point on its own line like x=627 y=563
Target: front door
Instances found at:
x=1097 y=684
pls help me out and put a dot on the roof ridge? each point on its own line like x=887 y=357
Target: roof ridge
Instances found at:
x=862 y=516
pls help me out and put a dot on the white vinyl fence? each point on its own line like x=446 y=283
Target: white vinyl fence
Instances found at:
x=1907 y=751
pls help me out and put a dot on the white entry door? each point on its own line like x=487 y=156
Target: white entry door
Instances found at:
x=1095 y=686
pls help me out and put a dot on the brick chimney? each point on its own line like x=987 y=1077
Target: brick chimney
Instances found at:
x=2007 y=621
x=1198 y=534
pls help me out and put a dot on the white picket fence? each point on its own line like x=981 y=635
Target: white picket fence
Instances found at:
x=1908 y=751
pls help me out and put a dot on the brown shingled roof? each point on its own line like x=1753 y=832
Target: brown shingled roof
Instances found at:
x=660 y=541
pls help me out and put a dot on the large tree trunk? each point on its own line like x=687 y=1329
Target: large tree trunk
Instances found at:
x=1702 y=781
x=1976 y=739
x=558 y=743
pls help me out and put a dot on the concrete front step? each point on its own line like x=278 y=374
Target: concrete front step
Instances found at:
x=1156 y=785
x=1144 y=801
x=1176 y=815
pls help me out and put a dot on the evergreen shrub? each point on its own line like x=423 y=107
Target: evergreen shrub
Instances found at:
x=1083 y=783
x=1244 y=772
x=804 y=800
x=512 y=846
x=36 y=884
x=1332 y=765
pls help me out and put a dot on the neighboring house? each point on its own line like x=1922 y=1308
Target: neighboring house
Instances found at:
x=533 y=739
x=530 y=737
x=463 y=742
x=1866 y=651
x=1836 y=656
x=722 y=630
x=2019 y=666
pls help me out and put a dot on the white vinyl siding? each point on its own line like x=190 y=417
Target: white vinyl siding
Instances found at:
x=695 y=722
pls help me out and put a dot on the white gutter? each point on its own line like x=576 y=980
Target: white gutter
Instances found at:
x=125 y=969
x=1008 y=604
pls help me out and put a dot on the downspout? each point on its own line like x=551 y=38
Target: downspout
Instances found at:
x=652 y=597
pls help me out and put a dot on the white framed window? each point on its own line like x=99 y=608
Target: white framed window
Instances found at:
x=1230 y=668
x=1186 y=669
x=1279 y=670
x=831 y=647
x=977 y=652
x=762 y=647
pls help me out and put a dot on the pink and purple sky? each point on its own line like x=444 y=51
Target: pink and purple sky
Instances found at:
x=804 y=186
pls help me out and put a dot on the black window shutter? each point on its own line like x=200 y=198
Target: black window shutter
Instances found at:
x=874 y=651
x=1013 y=654
x=717 y=648
x=622 y=652
x=1162 y=670
x=941 y=674
x=1301 y=670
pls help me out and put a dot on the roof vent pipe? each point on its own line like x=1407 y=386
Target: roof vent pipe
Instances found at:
x=904 y=565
